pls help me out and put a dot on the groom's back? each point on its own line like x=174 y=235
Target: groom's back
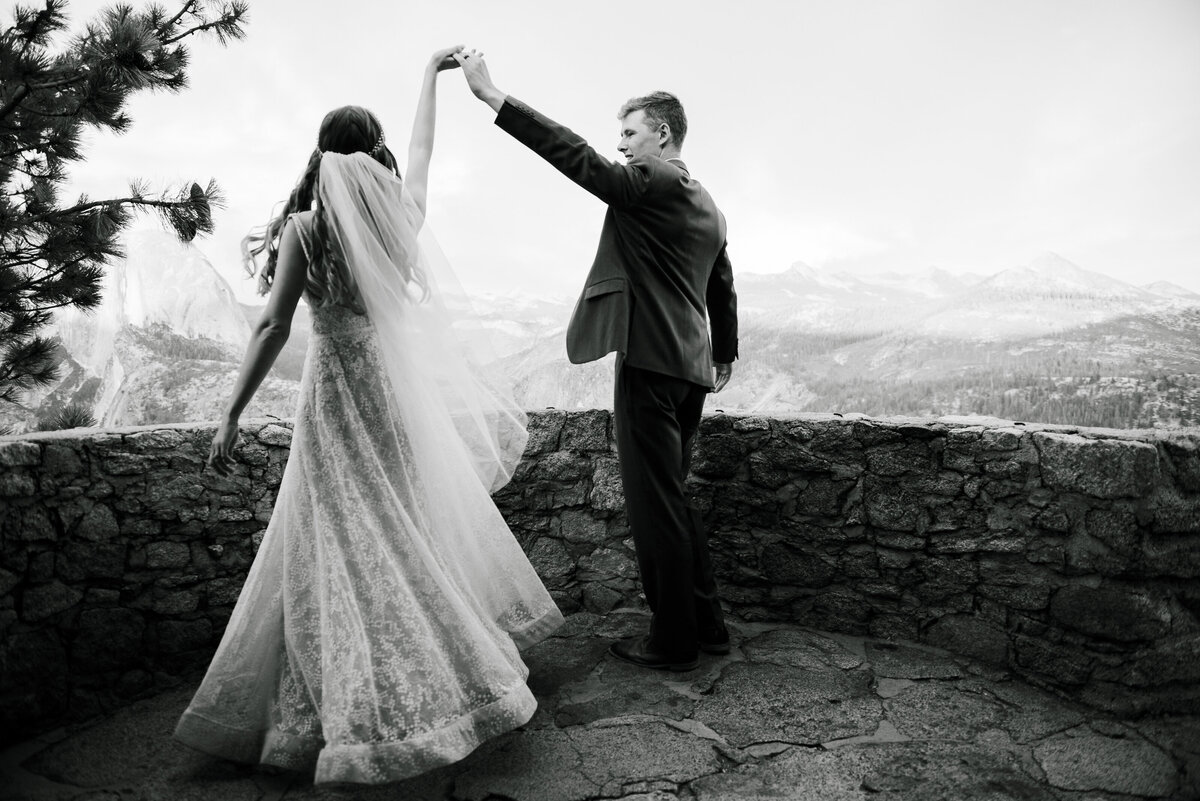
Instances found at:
x=669 y=242
x=660 y=264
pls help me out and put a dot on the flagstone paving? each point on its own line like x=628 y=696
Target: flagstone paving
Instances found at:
x=790 y=713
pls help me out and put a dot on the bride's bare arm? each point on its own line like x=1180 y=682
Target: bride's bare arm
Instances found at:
x=420 y=145
x=266 y=341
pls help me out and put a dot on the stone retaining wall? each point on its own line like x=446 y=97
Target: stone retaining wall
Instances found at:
x=1067 y=555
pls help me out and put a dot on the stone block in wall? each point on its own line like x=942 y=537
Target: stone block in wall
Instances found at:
x=20 y=454
x=766 y=472
x=8 y=580
x=223 y=591
x=61 y=460
x=743 y=504
x=945 y=576
x=751 y=425
x=1182 y=458
x=977 y=542
x=719 y=455
x=159 y=439
x=606 y=488
x=168 y=554
x=46 y=600
x=898 y=540
x=1171 y=555
x=970 y=636
x=28 y=524
x=275 y=435
x=601 y=599
x=581 y=526
x=1057 y=662
x=1053 y=517
x=41 y=567
x=892 y=507
x=176 y=602
x=108 y=639
x=1170 y=660
x=1113 y=613
x=1102 y=468
x=901 y=459
x=945 y=483
x=839 y=609
x=585 y=431
x=1000 y=439
x=1174 y=512
x=98 y=524
x=960 y=450
x=876 y=432
x=545 y=427
x=562 y=466
x=551 y=561
x=822 y=496
x=178 y=636
x=955 y=515
x=173 y=491
x=1086 y=554
x=604 y=564
x=1116 y=527
x=81 y=560
x=797 y=565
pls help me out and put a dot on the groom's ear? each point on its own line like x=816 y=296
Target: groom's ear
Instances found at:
x=664 y=133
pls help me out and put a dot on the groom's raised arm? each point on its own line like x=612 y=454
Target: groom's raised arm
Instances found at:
x=570 y=154
x=615 y=184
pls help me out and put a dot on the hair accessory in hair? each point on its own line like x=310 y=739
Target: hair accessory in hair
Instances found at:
x=373 y=151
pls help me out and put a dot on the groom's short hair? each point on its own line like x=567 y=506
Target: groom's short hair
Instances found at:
x=659 y=107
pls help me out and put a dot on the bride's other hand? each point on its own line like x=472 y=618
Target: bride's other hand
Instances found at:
x=444 y=58
x=220 y=455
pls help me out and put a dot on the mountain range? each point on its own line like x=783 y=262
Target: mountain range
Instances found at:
x=1048 y=340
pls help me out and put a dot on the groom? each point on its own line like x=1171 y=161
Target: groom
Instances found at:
x=660 y=266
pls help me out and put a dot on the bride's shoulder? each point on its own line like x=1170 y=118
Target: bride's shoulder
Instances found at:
x=302 y=221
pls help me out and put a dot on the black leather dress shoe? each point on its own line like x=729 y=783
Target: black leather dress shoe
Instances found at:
x=634 y=651
x=714 y=642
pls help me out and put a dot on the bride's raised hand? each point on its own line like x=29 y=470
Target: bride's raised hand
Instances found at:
x=444 y=58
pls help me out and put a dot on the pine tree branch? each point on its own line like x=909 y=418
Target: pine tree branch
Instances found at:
x=33 y=283
x=124 y=201
x=189 y=5
x=14 y=101
x=222 y=22
x=60 y=82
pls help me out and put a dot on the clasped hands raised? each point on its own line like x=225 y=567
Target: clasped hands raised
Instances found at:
x=474 y=69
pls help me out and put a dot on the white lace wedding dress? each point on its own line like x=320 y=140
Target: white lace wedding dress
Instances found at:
x=376 y=636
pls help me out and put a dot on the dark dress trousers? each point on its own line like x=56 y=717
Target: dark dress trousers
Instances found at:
x=661 y=277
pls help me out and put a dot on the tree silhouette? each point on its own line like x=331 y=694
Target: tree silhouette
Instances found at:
x=52 y=255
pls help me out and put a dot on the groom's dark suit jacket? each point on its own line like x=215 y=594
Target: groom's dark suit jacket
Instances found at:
x=660 y=265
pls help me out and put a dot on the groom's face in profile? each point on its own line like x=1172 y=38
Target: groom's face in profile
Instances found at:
x=638 y=138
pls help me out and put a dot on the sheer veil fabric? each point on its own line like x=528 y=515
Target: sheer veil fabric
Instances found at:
x=376 y=635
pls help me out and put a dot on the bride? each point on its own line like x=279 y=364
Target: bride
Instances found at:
x=377 y=632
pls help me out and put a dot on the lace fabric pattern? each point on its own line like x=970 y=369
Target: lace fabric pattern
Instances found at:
x=362 y=644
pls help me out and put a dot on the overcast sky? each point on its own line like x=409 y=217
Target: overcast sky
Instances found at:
x=867 y=135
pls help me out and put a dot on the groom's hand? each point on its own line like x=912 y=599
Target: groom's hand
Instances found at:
x=721 y=374
x=476 y=72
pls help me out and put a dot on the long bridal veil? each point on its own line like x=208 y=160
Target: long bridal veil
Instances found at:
x=458 y=410
x=426 y=324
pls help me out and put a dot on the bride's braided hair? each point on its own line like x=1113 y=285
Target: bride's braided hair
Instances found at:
x=349 y=129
